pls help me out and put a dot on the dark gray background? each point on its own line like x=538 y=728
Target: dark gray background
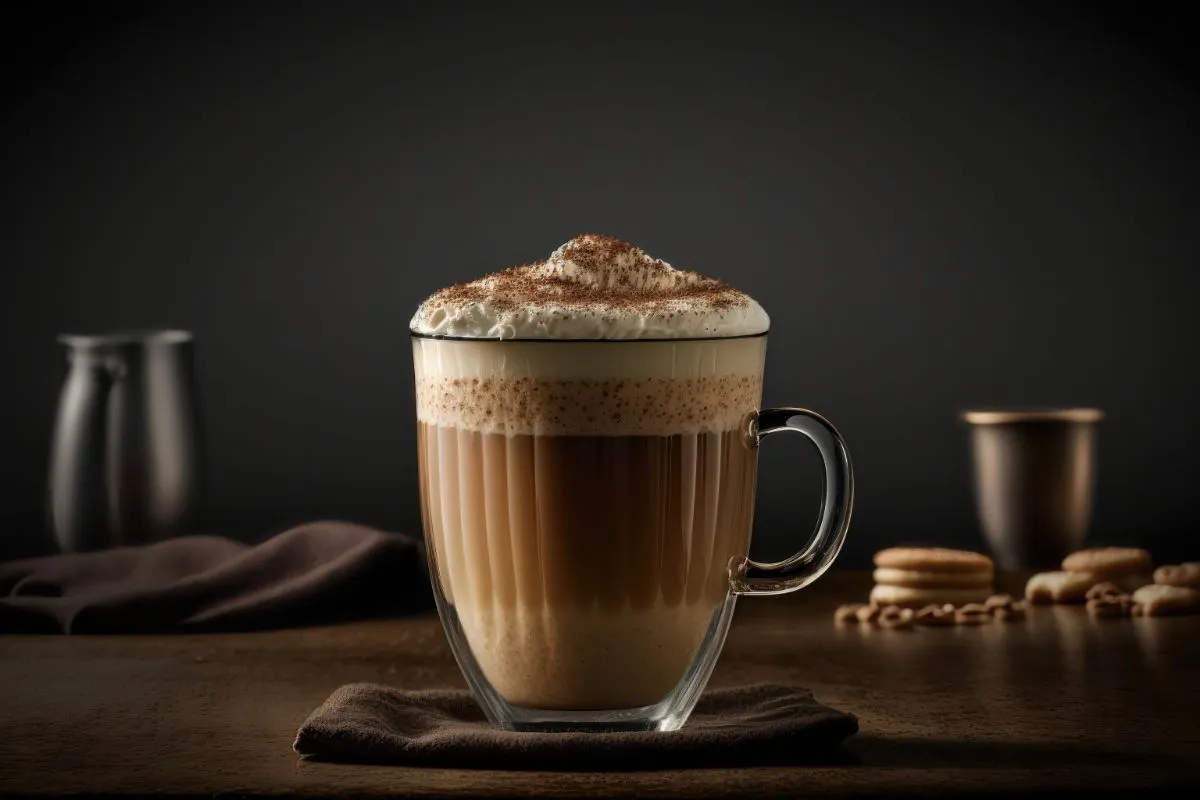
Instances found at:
x=941 y=205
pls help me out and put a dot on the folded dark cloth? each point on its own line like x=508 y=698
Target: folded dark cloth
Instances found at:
x=749 y=725
x=318 y=572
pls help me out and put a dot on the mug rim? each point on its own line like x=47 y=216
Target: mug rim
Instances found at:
x=491 y=339
x=1001 y=416
x=126 y=337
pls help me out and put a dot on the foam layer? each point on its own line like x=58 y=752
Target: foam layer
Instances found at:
x=589 y=388
x=592 y=287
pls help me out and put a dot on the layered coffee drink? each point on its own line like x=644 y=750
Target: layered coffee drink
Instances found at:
x=587 y=468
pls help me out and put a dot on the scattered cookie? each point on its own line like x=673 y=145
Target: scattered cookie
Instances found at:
x=1110 y=606
x=935 y=586
x=1109 y=561
x=895 y=617
x=1157 y=599
x=1183 y=575
x=848 y=612
x=867 y=613
x=934 y=559
x=1059 y=587
x=911 y=597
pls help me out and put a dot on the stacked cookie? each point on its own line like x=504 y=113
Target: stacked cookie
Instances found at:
x=914 y=577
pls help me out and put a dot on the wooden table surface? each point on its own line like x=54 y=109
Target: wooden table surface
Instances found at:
x=1060 y=701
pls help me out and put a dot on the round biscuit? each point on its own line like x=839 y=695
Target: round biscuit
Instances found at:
x=1108 y=561
x=1157 y=598
x=933 y=559
x=910 y=597
x=920 y=579
x=1185 y=575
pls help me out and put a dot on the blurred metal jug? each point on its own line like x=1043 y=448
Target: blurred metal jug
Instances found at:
x=125 y=460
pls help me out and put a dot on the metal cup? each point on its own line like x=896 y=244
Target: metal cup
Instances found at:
x=125 y=458
x=1035 y=473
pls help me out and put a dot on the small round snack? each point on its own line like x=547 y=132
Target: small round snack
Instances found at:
x=934 y=615
x=1107 y=590
x=1127 y=583
x=934 y=559
x=972 y=614
x=867 y=613
x=848 y=612
x=1106 y=561
x=1158 y=599
x=1013 y=613
x=1059 y=587
x=885 y=595
x=896 y=618
x=1110 y=606
x=1184 y=575
x=922 y=579
x=997 y=601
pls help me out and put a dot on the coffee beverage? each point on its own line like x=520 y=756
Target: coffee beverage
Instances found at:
x=584 y=500
x=588 y=454
x=583 y=525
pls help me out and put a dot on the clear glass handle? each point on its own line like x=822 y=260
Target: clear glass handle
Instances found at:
x=750 y=577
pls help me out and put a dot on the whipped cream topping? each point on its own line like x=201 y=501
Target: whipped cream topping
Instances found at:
x=592 y=287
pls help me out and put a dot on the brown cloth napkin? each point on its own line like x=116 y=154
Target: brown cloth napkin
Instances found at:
x=750 y=725
x=318 y=572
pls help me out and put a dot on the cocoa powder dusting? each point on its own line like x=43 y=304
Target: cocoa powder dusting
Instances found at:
x=609 y=277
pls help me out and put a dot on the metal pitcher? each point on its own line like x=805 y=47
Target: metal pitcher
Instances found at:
x=125 y=459
x=1035 y=475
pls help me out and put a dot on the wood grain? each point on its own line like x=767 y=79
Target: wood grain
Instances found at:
x=1057 y=702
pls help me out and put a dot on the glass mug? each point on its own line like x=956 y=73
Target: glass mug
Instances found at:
x=587 y=508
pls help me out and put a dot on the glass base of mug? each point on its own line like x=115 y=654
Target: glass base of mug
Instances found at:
x=649 y=718
x=669 y=714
